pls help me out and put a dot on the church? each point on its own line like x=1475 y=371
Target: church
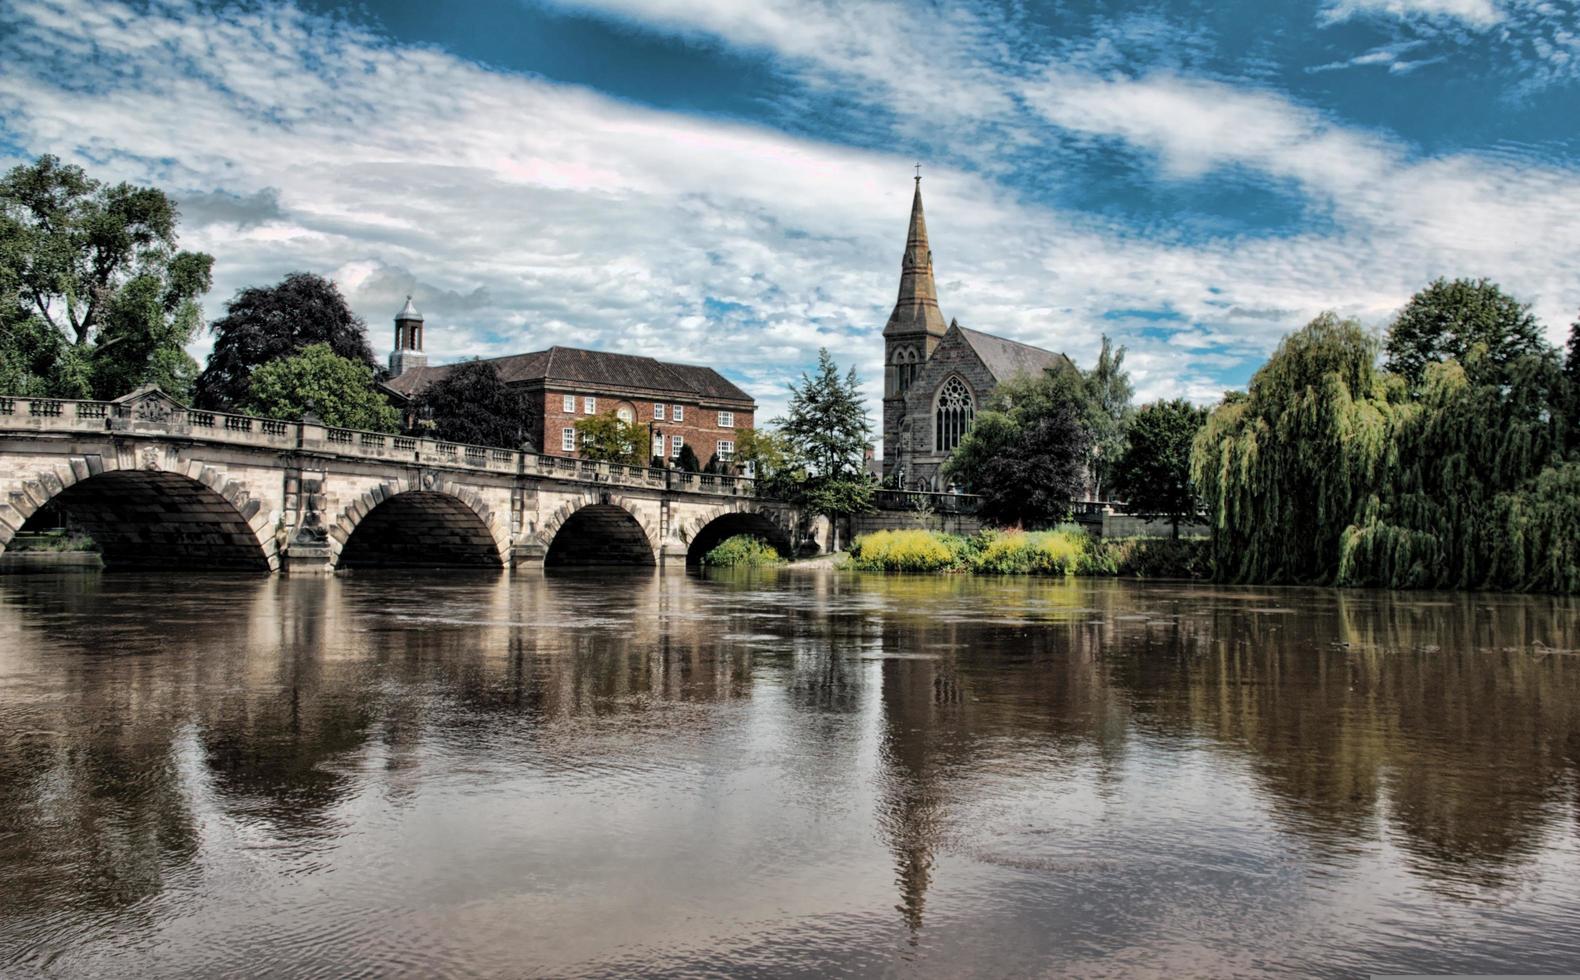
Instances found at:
x=937 y=376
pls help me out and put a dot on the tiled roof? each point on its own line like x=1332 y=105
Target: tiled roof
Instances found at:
x=593 y=368
x=1006 y=359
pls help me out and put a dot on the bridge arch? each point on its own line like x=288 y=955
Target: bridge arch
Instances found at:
x=706 y=531
x=153 y=515
x=606 y=529
x=399 y=525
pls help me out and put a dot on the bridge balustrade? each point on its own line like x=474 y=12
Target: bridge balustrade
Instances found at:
x=158 y=416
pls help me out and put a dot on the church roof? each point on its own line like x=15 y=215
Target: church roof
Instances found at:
x=916 y=308
x=408 y=312
x=591 y=368
x=1005 y=358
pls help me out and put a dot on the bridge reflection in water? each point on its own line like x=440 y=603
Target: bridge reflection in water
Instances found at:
x=942 y=775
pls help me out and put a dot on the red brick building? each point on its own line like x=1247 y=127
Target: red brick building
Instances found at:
x=680 y=404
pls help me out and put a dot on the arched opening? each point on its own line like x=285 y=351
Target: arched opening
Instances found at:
x=956 y=411
x=725 y=526
x=155 y=519
x=599 y=535
x=420 y=528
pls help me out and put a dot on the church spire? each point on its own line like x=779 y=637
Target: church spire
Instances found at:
x=916 y=309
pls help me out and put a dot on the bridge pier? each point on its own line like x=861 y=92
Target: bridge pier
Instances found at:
x=672 y=555
x=528 y=554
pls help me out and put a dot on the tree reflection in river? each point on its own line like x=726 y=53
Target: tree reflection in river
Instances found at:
x=1088 y=776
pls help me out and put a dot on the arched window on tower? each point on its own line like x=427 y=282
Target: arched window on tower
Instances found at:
x=905 y=368
x=956 y=410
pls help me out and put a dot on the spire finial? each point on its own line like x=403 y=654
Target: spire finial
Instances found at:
x=918 y=171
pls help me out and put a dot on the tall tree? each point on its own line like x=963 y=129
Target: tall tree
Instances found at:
x=265 y=323
x=1108 y=411
x=1027 y=452
x=339 y=391
x=471 y=404
x=827 y=430
x=1153 y=474
x=98 y=266
x=1448 y=318
x=1283 y=470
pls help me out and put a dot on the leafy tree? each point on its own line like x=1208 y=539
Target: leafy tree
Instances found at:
x=265 y=323
x=1153 y=475
x=1108 y=412
x=825 y=433
x=36 y=360
x=338 y=390
x=606 y=438
x=714 y=465
x=1447 y=318
x=98 y=266
x=687 y=459
x=766 y=455
x=471 y=404
x=1282 y=471
x=1026 y=453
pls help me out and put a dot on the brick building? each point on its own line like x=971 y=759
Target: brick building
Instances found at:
x=936 y=376
x=680 y=404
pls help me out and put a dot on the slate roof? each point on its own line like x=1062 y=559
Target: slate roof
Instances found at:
x=591 y=368
x=1006 y=358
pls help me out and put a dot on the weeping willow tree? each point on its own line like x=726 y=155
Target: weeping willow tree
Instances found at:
x=1284 y=469
x=1476 y=493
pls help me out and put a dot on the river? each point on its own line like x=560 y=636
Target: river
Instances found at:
x=788 y=773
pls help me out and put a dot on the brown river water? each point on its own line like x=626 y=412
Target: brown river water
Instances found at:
x=792 y=773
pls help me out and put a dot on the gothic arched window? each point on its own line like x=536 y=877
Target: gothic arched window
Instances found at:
x=905 y=368
x=956 y=410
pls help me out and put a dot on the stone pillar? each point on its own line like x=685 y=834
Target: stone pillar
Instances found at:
x=672 y=554
x=308 y=551
x=528 y=554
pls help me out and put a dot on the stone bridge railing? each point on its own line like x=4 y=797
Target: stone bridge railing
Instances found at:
x=161 y=417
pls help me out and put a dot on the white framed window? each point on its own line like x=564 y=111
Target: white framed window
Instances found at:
x=678 y=413
x=726 y=420
x=568 y=440
x=658 y=411
x=570 y=403
x=623 y=414
x=658 y=446
x=726 y=450
x=675 y=442
x=589 y=405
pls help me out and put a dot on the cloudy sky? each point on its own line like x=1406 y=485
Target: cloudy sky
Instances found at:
x=728 y=182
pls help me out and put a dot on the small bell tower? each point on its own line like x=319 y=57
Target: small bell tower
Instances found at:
x=408 y=341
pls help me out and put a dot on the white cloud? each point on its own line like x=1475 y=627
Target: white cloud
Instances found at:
x=522 y=213
x=1480 y=14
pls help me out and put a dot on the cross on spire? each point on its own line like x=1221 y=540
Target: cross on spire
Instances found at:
x=918 y=171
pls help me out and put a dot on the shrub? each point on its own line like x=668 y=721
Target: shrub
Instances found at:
x=1149 y=558
x=743 y=550
x=1056 y=552
x=906 y=551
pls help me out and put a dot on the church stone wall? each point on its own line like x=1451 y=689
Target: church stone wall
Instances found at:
x=953 y=357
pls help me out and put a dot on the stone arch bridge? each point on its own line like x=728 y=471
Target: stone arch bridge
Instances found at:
x=159 y=484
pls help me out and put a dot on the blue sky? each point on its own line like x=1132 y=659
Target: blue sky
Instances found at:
x=727 y=182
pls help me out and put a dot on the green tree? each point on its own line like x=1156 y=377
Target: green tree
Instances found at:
x=686 y=459
x=826 y=432
x=338 y=390
x=1153 y=474
x=1026 y=454
x=36 y=360
x=97 y=265
x=1283 y=471
x=1108 y=410
x=471 y=404
x=606 y=438
x=265 y=323
x=1448 y=318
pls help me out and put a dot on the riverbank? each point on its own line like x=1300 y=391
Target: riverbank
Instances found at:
x=1061 y=551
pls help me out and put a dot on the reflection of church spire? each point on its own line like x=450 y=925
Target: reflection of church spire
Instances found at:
x=916 y=309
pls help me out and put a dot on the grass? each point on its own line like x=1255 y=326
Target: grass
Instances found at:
x=1066 y=550
x=52 y=541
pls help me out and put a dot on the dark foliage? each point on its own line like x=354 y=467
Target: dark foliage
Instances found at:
x=1448 y=318
x=687 y=460
x=1153 y=474
x=265 y=323
x=472 y=405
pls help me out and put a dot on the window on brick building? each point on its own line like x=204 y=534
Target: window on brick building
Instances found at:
x=679 y=413
x=726 y=450
x=726 y=420
x=658 y=446
x=658 y=412
x=623 y=414
x=589 y=405
x=568 y=440
x=675 y=442
x=570 y=403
